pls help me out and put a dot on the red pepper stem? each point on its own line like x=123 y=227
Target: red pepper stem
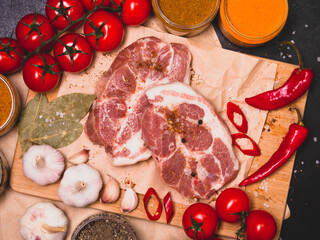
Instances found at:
x=299 y=115
x=301 y=66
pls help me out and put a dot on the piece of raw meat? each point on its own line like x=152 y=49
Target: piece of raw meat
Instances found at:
x=115 y=119
x=191 y=144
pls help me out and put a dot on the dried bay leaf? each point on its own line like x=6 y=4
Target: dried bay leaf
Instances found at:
x=30 y=119
x=57 y=134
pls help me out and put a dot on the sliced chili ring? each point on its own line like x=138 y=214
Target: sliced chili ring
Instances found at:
x=255 y=151
x=233 y=108
x=168 y=207
x=146 y=197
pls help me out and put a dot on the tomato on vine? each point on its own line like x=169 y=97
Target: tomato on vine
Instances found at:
x=73 y=52
x=90 y=4
x=133 y=12
x=41 y=72
x=61 y=12
x=33 y=29
x=103 y=30
x=11 y=55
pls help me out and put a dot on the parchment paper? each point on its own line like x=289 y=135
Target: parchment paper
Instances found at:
x=219 y=75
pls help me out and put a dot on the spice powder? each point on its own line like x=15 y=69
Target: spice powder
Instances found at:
x=186 y=12
x=5 y=103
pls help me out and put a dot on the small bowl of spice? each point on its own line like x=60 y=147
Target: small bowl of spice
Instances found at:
x=9 y=105
x=104 y=226
x=184 y=17
x=251 y=23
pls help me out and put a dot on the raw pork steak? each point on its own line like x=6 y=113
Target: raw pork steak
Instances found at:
x=115 y=120
x=191 y=144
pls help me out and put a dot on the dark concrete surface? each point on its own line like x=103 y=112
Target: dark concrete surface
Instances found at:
x=303 y=26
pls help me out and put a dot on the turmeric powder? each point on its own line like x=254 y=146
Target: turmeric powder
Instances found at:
x=256 y=18
x=5 y=102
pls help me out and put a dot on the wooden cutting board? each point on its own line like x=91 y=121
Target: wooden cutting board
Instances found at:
x=270 y=195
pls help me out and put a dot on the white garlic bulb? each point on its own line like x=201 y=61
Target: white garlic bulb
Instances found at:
x=111 y=190
x=129 y=201
x=80 y=185
x=43 y=221
x=43 y=164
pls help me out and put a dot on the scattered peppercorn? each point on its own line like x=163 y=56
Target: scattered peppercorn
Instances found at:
x=183 y=140
x=200 y=122
x=193 y=174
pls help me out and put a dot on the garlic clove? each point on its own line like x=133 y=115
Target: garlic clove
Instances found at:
x=110 y=191
x=130 y=201
x=80 y=157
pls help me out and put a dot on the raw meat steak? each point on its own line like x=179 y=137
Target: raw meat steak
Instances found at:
x=115 y=119
x=191 y=144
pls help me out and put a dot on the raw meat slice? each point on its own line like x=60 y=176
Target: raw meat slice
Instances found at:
x=115 y=119
x=191 y=144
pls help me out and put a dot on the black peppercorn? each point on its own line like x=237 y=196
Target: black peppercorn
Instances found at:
x=183 y=140
x=200 y=122
x=193 y=174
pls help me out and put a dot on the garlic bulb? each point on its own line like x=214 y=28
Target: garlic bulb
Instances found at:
x=43 y=164
x=111 y=190
x=129 y=201
x=80 y=157
x=43 y=221
x=80 y=186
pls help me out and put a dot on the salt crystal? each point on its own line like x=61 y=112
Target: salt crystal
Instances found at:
x=230 y=88
x=306 y=25
x=317 y=161
x=315 y=139
x=318 y=59
x=57 y=113
x=284 y=57
x=40 y=116
x=281 y=53
x=292 y=41
x=288 y=48
x=255 y=193
x=295 y=171
x=289 y=56
x=294 y=32
x=47 y=120
x=72 y=114
x=302 y=162
x=266 y=205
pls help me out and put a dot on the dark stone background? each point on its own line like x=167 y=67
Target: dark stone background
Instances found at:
x=303 y=26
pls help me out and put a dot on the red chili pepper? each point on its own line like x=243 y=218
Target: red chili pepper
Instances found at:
x=296 y=135
x=146 y=197
x=168 y=207
x=297 y=84
x=233 y=108
x=255 y=151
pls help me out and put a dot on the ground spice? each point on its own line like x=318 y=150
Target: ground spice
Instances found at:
x=186 y=12
x=256 y=18
x=5 y=102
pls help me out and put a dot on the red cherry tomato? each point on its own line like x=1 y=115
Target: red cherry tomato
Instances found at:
x=73 y=52
x=90 y=4
x=104 y=31
x=61 y=14
x=200 y=219
x=41 y=73
x=134 y=12
x=260 y=225
x=10 y=55
x=28 y=29
x=230 y=201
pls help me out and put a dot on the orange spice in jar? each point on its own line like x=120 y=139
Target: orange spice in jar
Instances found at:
x=251 y=23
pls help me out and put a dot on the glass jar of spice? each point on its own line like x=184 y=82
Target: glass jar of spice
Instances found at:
x=10 y=105
x=251 y=23
x=184 y=17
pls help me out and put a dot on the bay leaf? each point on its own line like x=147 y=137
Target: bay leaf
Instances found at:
x=59 y=133
x=72 y=106
x=30 y=119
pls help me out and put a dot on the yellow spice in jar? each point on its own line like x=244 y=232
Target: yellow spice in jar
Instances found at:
x=187 y=12
x=5 y=102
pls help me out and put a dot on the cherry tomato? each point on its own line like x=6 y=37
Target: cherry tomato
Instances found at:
x=10 y=55
x=60 y=12
x=90 y=4
x=104 y=31
x=260 y=225
x=134 y=12
x=200 y=219
x=230 y=201
x=28 y=29
x=73 y=52
x=41 y=73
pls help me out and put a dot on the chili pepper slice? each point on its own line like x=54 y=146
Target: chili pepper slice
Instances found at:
x=168 y=207
x=296 y=135
x=146 y=197
x=233 y=108
x=255 y=151
x=296 y=85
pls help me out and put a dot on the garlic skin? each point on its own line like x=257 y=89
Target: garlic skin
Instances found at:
x=129 y=201
x=80 y=185
x=111 y=190
x=43 y=221
x=43 y=164
x=80 y=157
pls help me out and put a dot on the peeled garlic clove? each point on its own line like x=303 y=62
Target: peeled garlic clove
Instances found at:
x=80 y=157
x=111 y=190
x=129 y=201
